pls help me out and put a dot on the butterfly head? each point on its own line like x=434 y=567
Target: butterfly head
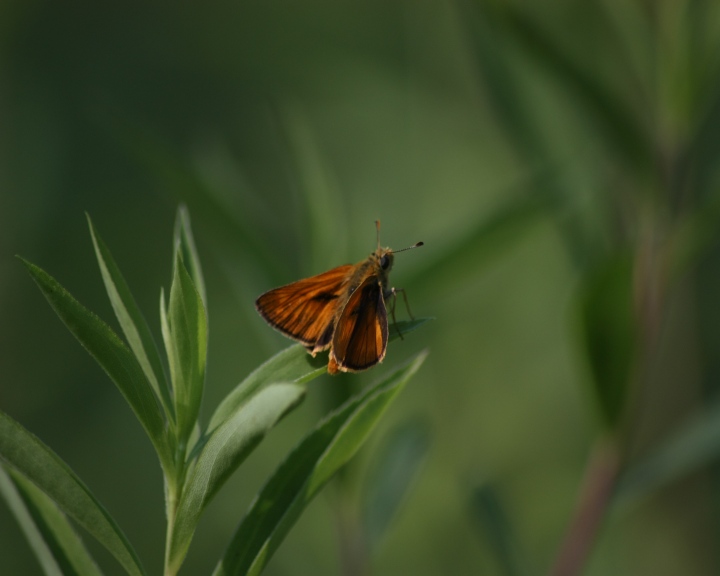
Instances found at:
x=383 y=258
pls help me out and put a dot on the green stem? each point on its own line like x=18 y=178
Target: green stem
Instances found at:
x=171 y=506
x=174 y=492
x=600 y=476
x=353 y=548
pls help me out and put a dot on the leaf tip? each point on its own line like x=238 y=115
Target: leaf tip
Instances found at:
x=29 y=265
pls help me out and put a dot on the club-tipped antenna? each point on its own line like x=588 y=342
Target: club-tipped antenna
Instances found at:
x=416 y=245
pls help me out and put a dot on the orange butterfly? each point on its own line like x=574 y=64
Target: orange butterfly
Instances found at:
x=342 y=309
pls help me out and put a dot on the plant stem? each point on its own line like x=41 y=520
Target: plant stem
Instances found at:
x=173 y=492
x=353 y=548
x=600 y=476
x=172 y=501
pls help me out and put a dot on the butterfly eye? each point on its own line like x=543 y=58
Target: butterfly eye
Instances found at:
x=384 y=262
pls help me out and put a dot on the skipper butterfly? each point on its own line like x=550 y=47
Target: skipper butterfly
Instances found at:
x=342 y=309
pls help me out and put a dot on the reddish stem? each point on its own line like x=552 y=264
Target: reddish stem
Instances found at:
x=600 y=475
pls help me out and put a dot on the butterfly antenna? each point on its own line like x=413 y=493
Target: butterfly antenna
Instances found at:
x=417 y=245
x=377 y=226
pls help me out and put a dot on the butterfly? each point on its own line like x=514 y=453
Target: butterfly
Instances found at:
x=342 y=309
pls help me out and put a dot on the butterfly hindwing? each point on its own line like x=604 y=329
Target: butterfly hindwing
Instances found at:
x=361 y=332
x=306 y=309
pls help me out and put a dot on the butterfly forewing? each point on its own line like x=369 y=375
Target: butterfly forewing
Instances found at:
x=361 y=332
x=305 y=310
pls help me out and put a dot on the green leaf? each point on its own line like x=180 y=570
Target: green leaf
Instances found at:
x=175 y=171
x=187 y=351
x=695 y=445
x=132 y=322
x=293 y=364
x=392 y=474
x=54 y=541
x=490 y=514
x=306 y=470
x=225 y=449
x=695 y=233
x=505 y=226
x=514 y=107
x=113 y=356
x=28 y=524
x=325 y=222
x=612 y=116
x=511 y=104
x=185 y=245
x=609 y=333
x=25 y=453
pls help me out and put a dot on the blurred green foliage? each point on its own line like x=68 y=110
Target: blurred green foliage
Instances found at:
x=530 y=145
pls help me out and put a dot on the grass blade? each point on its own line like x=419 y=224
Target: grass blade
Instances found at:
x=692 y=447
x=185 y=245
x=325 y=221
x=392 y=476
x=508 y=224
x=223 y=452
x=613 y=116
x=509 y=100
x=492 y=518
x=609 y=333
x=25 y=453
x=55 y=542
x=175 y=171
x=187 y=324
x=132 y=322
x=294 y=365
x=28 y=524
x=305 y=471
x=113 y=356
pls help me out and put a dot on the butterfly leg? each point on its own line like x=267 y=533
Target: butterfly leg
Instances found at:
x=407 y=304
x=393 y=293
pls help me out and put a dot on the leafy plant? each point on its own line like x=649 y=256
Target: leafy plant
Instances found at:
x=165 y=395
x=650 y=219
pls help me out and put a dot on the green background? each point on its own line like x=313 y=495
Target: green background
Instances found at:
x=560 y=161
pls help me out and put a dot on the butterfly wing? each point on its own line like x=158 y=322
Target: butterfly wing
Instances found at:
x=305 y=310
x=361 y=332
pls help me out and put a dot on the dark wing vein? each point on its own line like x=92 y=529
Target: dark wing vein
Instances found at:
x=304 y=310
x=360 y=338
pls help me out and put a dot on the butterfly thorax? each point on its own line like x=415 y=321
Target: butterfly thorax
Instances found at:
x=378 y=264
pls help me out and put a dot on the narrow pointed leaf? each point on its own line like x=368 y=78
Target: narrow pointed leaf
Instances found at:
x=25 y=453
x=112 y=354
x=305 y=471
x=492 y=518
x=55 y=542
x=693 y=446
x=512 y=106
x=504 y=81
x=33 y=534
x=326 y=222
x=185 y=244
x=613 y=116
x=609 y=333
x=293 y=364
x=176 y=172
x=167 y=338
x=187 y=324
x=223 y=452
x=132 y=322
x=392 y=474
x=487 y=238
x=694 y=235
